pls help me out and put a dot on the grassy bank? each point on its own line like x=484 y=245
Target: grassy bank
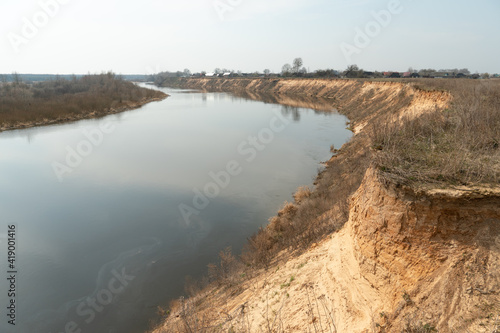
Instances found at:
x=25 y=105
x=456 y=146
x=422 y=133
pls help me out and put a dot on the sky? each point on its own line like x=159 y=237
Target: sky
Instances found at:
x=149 y=36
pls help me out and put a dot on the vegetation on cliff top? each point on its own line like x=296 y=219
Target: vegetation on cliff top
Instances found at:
x=61 y=99
x=456 y=146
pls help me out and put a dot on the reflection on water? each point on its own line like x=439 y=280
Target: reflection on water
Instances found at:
x=101 y=249
x=318 y=104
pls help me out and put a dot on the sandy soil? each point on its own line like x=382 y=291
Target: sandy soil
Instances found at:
x=406 y=258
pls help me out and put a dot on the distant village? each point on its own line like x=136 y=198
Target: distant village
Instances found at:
x=351 y=72
x=295 y=70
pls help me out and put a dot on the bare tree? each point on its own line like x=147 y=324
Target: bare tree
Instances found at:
x=16 y=78
x=286 y=69
x=267 y=72
x=297 y=64
x=352 y=71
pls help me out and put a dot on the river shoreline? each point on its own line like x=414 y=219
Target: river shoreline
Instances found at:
x=363 y=241
x=90 y=115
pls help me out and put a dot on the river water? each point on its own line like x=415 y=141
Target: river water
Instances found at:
x=112 y=214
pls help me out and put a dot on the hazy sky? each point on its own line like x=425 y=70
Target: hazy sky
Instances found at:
x=80 y=36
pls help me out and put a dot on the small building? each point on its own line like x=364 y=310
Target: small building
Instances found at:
x=391 y=74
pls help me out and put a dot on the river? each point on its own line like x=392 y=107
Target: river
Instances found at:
x=112 y=214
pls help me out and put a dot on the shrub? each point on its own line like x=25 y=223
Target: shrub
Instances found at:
x=61 y=99
x=302 y=193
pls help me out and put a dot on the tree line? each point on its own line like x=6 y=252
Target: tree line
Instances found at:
x=297 y=69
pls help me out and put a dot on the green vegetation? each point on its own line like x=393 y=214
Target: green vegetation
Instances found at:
x=24 y=105
x=287 y=284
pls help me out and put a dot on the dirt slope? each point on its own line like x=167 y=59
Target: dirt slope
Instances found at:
x=402 y=258
x=405 y=259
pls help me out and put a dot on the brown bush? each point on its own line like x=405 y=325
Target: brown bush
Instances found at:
x=64 y=99
x=288 y=210
x=301 y=194
x=224 y=273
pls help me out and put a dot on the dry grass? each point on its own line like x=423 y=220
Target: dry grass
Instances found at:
x=212 y=315
x=457 y=146
x=60 y=99
x=454 y=146
x=314 y=214
x=226 y=272
x=301 y=194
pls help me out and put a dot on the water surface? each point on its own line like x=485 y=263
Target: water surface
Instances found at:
x=101 y=237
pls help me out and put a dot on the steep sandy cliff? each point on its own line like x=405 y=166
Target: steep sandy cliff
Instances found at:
x=434 y=255
x=402 y=260
x=405 y=259
x=326 y=94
